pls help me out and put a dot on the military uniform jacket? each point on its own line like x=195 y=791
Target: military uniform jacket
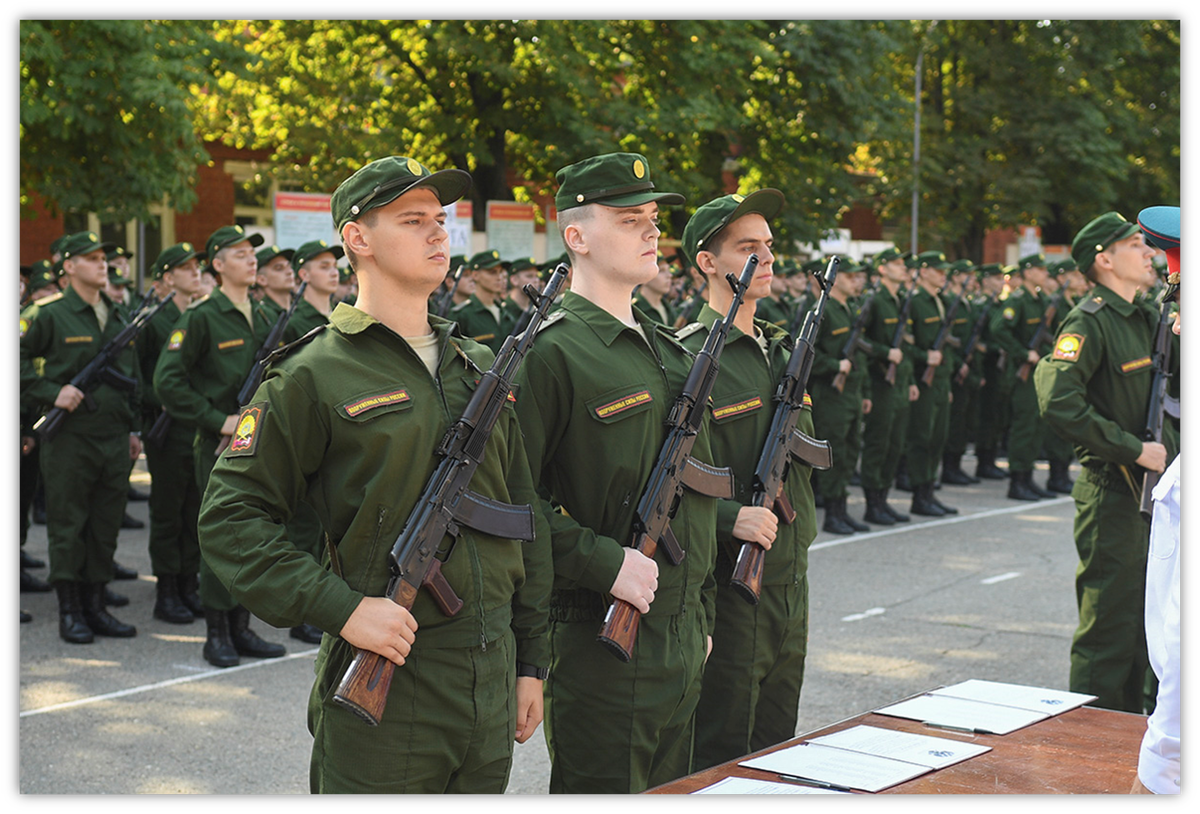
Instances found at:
x=927 y=313
x=63 y=330
x=304 y=319
x=477 y=322
x=774 y=310
x=207 y=357
x=878 y=334
x=835 y=329
x=741 y=414
x=1014 y=322
x=649 y=310
x=593 y=400
x=1094 y=388
x=150 y=343
x=349 y=422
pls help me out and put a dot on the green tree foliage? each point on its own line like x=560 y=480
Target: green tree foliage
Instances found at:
x=106 y=123
x=1037 y=122
x=780 y=104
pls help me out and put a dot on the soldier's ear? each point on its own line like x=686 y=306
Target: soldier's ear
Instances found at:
x=354 y=238
x=575 y=239
x=706 y=262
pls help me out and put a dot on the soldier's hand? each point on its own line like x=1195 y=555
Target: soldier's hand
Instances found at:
x=895 y=355
x=963 y=371
x=28 y=443
x=933 y=358
x=1153 y=457
x=1033 y=357
x=637 y=580
x=756 y=524
x=230 y=424
x=914 y=392
x=866 y=407
x=68 y=398
x=380 y=625
x=844 y=366
x=530 y=709
x=135 y=446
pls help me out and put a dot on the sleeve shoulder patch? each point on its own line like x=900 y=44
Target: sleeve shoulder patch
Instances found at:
x=245 y=435
x=1068 y=346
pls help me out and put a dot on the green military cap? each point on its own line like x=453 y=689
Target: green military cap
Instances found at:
x=708 y=221
x=56 y=246
x=268 y=253
x=456 y=261
x=615 y=179
x=886 y=256
x=1098 y=235
x=83 y=243
x=119 y=251
x=931 y=259
x=117 y=276
x=173 y=256
x=813 y=266
x=522 y=264
x=484 y=260
x=961 y=266
x=989 y=269
x=386 y=179
x=229 y=236
x=1032 y=261
x=41 y=274
x=311 y=249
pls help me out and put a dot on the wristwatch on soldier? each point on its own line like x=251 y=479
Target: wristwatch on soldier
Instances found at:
x=529 y=671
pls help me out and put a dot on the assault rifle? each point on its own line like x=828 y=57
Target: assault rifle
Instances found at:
x=446 y=504
x=446 y=300
x=854 y=341
x=784 y=442
x=972 y=343
x=1042 y=336
x=943 y=334
x=693 y=306
x=274 y=340
x=675 y=468
x=1161 y=404
x=100 y=370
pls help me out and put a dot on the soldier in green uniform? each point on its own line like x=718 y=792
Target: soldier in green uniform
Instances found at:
x=929 y=418
x=85 y=467
x=350 y=420
x=594 y=394
x=837 y=413
x=964 y=380
x=207 y=357
x=482 y=316
x=1059 y=451
x=275 y=280
x=1014 y=326
x=521 y=273
x=751 y=691
x=995 y=389
x=315 y=263
x=886 y=427
x=650 y=297
x=774 y=307
x=1094 y=389
x=175 y=496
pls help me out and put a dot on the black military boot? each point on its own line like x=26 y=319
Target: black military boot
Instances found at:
x=33 y=585
x=945 y=509
x=952 y=472
x=306 y=633
x=71 y=625
x=899 y=517
x=847 y=519
x=246 y=641
x=167 y=604
x=1060 y=478
x=218 y=647
x=114 y=599
x=1042 y=493
x=903 y=483
x=877 y=512
x=189 y=585
x=122 y=572
x=923 y=502
x=30 y=561
x=986 y=468
x=97 y=616
x=834 y=523
x=1020 y=488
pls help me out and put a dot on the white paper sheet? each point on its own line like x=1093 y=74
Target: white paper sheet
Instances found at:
x=960 y=714
x=745 y=785
x=924 y=750
x=841 y=769
x=1051 y=702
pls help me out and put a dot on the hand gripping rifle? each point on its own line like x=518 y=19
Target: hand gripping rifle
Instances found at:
x=447 y=299
x=675 y=469
x=445 y=505
x=784 y=442
x=1043 y=335
x=100 y=371
x=1160 y=403
x=943 y=334
x=854 y=341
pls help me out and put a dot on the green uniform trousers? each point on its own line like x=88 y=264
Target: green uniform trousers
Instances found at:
x=86 y=481
x=835 y=419
x=1025 y=433
x=964 y=418
x=885 y=433
x=213 y=593
x=174 y=504
x=651 y=737
x=1108 y=652
x=751 y=696
x=465 y=697
x=928 y=422
x=993 y=409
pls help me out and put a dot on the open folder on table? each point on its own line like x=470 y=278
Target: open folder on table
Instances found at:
x=986 y=707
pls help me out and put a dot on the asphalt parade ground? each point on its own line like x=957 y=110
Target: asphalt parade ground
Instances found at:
x=987 y=593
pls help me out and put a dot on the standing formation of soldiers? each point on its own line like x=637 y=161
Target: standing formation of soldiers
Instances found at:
x=283 y=497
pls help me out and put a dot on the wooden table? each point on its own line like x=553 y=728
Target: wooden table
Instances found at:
x=1085 y=751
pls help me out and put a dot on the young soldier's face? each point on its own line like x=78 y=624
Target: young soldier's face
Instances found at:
x=237 y=264
x=894 y=270
x=185 y=278
x=622 y=242
x=89 y=270
x=408 y=241
x=1036 y=276
x=490 y=281
x=1131 y=260
x=523 y=278
x=277 y=275
x=321 y=273
x=747 y=235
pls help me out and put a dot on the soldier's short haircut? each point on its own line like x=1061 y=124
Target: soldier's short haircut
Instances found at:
x=369 y=219
x=574 y=215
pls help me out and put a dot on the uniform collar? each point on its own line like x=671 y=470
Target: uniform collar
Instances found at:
x=709 y=316
x=603 y=324
x=1112 y=299
x=78 y=303
x=350 y=320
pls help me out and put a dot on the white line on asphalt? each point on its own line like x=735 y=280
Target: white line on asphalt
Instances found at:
x=223 y=671
x=854 y=617
x=1000 y=578
x=944 y=521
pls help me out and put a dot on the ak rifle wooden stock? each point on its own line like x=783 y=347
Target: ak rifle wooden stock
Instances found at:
x=675 y=469
x=445 y=505
x=783 y=443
